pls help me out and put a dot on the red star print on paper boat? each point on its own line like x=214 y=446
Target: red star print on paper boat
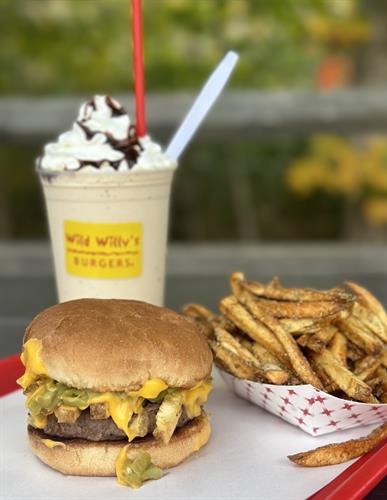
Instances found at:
x=310 y=409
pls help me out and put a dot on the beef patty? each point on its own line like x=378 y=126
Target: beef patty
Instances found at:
x=100 y=430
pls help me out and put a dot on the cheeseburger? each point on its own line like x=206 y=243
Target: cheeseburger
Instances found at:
x=106 y=380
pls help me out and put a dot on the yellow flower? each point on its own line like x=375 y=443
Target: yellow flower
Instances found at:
x=304 y=177
x=375 y=210
x=332 y=166
x=338 y=31
x=375 y=164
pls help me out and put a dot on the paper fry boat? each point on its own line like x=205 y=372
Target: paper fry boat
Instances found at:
x=306 y=407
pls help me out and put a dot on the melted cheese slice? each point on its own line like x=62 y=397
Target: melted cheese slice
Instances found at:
x=39 y=421
x=121 y=465
x=52 y=444
x=194 y=399
x=121 y=410
x=151 y=389
x=31 y=358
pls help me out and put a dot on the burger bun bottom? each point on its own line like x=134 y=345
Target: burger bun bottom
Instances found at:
x=80 y=457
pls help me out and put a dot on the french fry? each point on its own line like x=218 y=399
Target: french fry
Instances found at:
x=345 y=379
x=205 y=326
x=293 y=310
x=338 y=346
x=275 y=291
x=355 y=332
x=228 y=325
x=384 y=357
x=338 y=453
x=303 y=340
x=99 y=411
x=167 y=417
x=236 y=283
x=319 y=340
x=140 y=424
x=275 y=375
x=274 y=370
x=302 y=310
x=382 y=372
x=370 y=302
x=300 y=326
x=354 y=352
x=265 y=368
x=376 y=387
x=232 y=344
x=366 y=367
x=298 y=361
x=197 y=311
x=264 y=355
x=233 y=363
x=297 y=315
x=203 y=317
x=236 y=313
x=378 y=382
x=369 y=320
x=67 y=414
x=329 y=385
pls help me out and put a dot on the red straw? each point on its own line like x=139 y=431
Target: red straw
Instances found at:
x=139 y=84
x=356 y=481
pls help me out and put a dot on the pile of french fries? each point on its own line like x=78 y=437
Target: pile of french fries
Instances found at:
x=335 y=340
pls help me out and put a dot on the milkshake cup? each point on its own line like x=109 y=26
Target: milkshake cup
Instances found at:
x=107 y=210
x=109 y=233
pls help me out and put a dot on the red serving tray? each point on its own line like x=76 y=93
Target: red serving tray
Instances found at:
x=352 y=484
x=356 y=481
x=11 y=369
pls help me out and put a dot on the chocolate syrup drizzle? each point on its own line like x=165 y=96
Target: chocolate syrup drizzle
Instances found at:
x=130 y=146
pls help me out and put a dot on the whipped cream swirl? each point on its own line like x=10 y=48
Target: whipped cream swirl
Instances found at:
x=101 y=139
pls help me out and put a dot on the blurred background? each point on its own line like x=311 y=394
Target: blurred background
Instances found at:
x=296 y=149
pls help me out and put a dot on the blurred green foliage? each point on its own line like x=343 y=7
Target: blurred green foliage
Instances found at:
x=84 y=46
x=21 y=203
x=204 y=205
x=69 y=46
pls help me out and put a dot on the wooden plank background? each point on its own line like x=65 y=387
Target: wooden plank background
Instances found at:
x=247 y=112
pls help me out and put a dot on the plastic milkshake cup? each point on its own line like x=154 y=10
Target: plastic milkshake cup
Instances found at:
x=107 y=212
x=109 y=233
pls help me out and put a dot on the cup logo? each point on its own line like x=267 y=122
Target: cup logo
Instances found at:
x=103 y=251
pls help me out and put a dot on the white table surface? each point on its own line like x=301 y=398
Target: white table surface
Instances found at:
x=244 y=459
